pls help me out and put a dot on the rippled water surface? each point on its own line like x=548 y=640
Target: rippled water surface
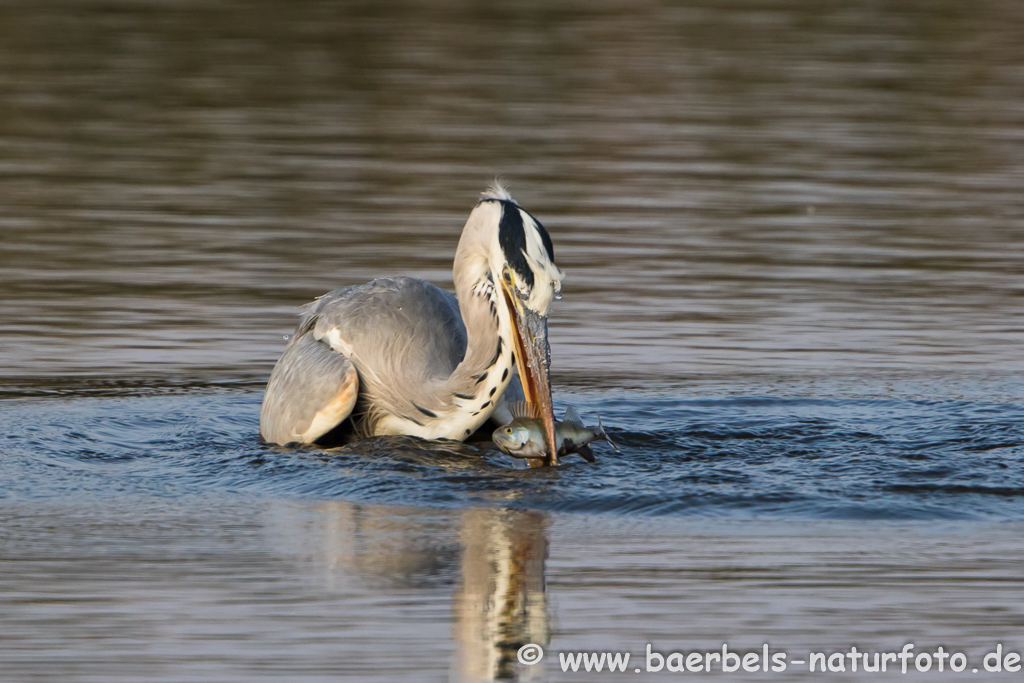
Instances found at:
x=793 y=237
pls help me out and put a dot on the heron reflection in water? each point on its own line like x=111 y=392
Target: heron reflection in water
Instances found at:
x=401 y=356
x=497 y=558
x=501 y=602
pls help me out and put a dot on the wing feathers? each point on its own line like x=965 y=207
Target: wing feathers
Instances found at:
x=311 y=390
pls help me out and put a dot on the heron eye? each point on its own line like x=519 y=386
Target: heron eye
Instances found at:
x=507 y=275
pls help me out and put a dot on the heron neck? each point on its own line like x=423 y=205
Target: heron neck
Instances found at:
x=485 y=317
x=480 y=379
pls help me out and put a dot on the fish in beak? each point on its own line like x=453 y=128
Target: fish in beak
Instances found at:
x=533 y=359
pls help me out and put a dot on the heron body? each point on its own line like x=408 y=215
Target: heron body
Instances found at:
x=401 y=356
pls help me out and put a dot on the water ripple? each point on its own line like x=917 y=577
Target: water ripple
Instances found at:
x=753 y=456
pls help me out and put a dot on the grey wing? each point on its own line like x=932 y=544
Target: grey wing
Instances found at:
x=404 y=336
x=311 y=390
x=393 y=341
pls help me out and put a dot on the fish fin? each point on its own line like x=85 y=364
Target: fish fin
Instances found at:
x=572 y=417
x=585 y=453
x=604 y=434
x=523 y=409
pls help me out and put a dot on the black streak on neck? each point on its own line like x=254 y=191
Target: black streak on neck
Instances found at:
x=426 y=412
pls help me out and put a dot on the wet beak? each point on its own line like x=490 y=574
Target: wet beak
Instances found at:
x=533 y=358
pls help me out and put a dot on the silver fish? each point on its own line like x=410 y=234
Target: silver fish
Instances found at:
x=523 y=437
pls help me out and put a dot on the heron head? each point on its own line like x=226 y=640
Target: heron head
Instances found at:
x=524 y=262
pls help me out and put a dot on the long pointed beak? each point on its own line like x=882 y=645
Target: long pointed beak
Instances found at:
x=533 y=358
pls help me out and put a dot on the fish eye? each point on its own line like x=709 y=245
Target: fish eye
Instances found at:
x=508 y=430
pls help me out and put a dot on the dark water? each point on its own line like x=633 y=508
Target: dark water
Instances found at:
x=756 y=457
x=793 y=235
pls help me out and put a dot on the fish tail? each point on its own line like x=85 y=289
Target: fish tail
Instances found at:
x=604 y=434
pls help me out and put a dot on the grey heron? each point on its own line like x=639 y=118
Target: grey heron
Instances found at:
x=401 y=356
